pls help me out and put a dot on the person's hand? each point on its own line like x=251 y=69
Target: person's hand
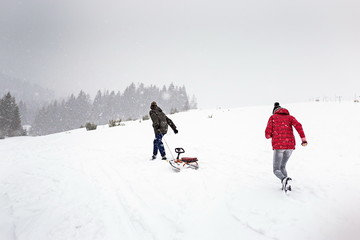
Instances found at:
x=304 y=143
x=176 y=131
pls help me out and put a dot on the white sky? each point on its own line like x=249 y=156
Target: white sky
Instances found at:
x=228 y=52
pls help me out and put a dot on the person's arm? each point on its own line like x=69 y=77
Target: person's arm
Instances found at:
x=300 y=131
x=298 y=127
x=172 y=125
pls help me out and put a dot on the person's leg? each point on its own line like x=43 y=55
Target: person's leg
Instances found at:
x=161 y=145
x=158 y=145
x=277 y=163
x=155 y=148
x=286 y=155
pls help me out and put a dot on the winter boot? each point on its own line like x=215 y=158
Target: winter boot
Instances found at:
x=164 y=158
x=153 y=157
x=286 y=184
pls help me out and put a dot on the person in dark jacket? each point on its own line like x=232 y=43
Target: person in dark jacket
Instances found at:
x=280 y=130
x=160 y=125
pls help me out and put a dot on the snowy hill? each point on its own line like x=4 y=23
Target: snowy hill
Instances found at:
x=100 y=185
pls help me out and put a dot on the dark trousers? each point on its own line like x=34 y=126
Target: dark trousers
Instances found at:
x=158 y=145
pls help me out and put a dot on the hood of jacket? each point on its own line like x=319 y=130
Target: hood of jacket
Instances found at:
x=157 y=109
x=282 y=111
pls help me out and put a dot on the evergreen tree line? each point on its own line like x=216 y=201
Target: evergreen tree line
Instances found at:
x=30 y=97
x=10 y=121
x=133 y=103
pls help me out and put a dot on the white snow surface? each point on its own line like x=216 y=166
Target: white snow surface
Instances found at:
x=101 y=184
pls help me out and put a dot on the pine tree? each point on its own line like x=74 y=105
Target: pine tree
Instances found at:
x=193 y=103
x=97 y=107
x=24 y=114
x=10 y=122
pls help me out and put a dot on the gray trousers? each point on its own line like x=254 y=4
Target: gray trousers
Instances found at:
x=281 y=157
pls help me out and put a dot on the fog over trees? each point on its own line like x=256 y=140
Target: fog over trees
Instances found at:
x=38 y=108
x=29 y=97
x=133 y=103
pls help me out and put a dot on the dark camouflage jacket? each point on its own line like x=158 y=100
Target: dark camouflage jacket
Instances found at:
x=160 y=121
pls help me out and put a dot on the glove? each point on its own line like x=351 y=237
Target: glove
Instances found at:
x=158 y=131
x=176 y=131
x=304 y=143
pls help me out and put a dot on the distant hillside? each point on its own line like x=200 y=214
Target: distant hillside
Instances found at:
x=31 y=94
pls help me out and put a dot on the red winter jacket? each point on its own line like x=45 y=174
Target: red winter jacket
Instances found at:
x=279 y=128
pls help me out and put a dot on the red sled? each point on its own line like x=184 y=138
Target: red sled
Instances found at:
x=190 y=162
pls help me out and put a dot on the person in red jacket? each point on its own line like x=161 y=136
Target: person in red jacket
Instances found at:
x=280 y=129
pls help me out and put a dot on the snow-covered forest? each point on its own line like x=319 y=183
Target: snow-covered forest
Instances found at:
x=39 y=109
x=133 y=103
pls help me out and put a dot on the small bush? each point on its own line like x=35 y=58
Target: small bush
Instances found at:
x=146 y=117
x=173 y=111
x=114 y=123
x=90 y=126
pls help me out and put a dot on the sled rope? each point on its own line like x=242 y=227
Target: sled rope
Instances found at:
x=168 y=148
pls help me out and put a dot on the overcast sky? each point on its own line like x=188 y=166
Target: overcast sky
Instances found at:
x=227 y=52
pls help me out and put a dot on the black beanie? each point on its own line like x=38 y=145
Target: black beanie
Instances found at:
x=276 y=106
x=153 y=105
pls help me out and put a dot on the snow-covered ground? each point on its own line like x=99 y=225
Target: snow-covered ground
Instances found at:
x=101 y=185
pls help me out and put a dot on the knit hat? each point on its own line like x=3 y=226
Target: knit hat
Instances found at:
x=276 y=107
x=153 y=105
